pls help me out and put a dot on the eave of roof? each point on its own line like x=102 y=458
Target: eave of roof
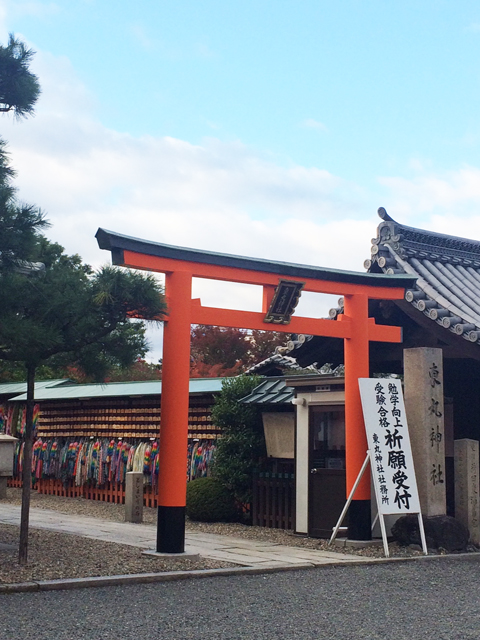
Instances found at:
x=12 y=388
x=312 y=379
x=119 y=389
x=118 y=243
x=278 y=360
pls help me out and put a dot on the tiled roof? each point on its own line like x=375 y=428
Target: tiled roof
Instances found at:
x=447 y=290
x=270 y=391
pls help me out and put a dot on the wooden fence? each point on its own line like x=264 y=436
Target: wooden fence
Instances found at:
x=273 y=504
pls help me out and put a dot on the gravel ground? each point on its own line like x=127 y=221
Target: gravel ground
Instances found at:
x=55 y=555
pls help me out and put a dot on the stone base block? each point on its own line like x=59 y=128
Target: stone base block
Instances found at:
x=183 y=555
x=3 y=487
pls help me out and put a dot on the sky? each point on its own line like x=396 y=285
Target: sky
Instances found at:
x=266 y=128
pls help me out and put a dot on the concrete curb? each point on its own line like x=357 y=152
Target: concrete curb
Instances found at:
x=472 y=555
x=171 y=576
x=142 y=578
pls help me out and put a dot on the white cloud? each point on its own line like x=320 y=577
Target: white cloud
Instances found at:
x=435 y=199
x=3 y=22
x=314 y=124
x=202 y=50
x=140 y=34
x=218 y=196
x=30 y=8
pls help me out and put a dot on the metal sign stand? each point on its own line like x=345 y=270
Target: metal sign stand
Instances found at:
x=349 y=499
x=379 y=515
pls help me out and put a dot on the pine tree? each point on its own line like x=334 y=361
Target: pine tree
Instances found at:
x=53 y=305
x=70 y=311
x=19 y=92
x=19 y=87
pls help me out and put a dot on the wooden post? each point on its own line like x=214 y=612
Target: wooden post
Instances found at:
x=267 y=297
x=172 y=478
x=27 y=468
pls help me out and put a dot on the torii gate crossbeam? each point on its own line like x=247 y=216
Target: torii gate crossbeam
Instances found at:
x=180 y=266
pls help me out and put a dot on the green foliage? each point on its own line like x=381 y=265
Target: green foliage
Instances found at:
x=75 y=322
x=19 y=223
x=19 y=229
x=242 y=444
x=16 y=372
x=19 y=87
x=70 y=311
x=228 y=413
x=6 y=171
x=64 y=366
x=209 y=501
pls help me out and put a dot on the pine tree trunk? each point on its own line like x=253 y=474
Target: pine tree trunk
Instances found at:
x=27 y=467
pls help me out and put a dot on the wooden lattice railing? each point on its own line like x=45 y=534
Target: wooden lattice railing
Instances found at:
x=273 y=504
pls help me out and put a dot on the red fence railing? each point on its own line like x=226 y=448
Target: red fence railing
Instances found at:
x=113 y=492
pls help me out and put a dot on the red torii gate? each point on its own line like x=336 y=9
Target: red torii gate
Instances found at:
x=180 y=266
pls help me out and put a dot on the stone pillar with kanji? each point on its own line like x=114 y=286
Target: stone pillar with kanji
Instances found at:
x=467 y=505
x=423 y=391
x=134 y=497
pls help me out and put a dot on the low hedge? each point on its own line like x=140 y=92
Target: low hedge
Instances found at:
x=209 y=501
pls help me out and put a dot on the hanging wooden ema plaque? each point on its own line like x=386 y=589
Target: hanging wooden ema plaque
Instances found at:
x=390 y=452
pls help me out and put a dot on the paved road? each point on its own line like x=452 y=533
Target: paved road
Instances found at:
x=421 y=600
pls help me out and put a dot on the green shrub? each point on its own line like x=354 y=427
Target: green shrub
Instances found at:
x=209 y=501
x=242 y=444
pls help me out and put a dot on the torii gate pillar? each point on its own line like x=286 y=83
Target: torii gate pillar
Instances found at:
x=172 y=485
x=356 y=361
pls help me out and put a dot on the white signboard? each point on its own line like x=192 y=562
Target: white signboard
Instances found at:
x=389 y=444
